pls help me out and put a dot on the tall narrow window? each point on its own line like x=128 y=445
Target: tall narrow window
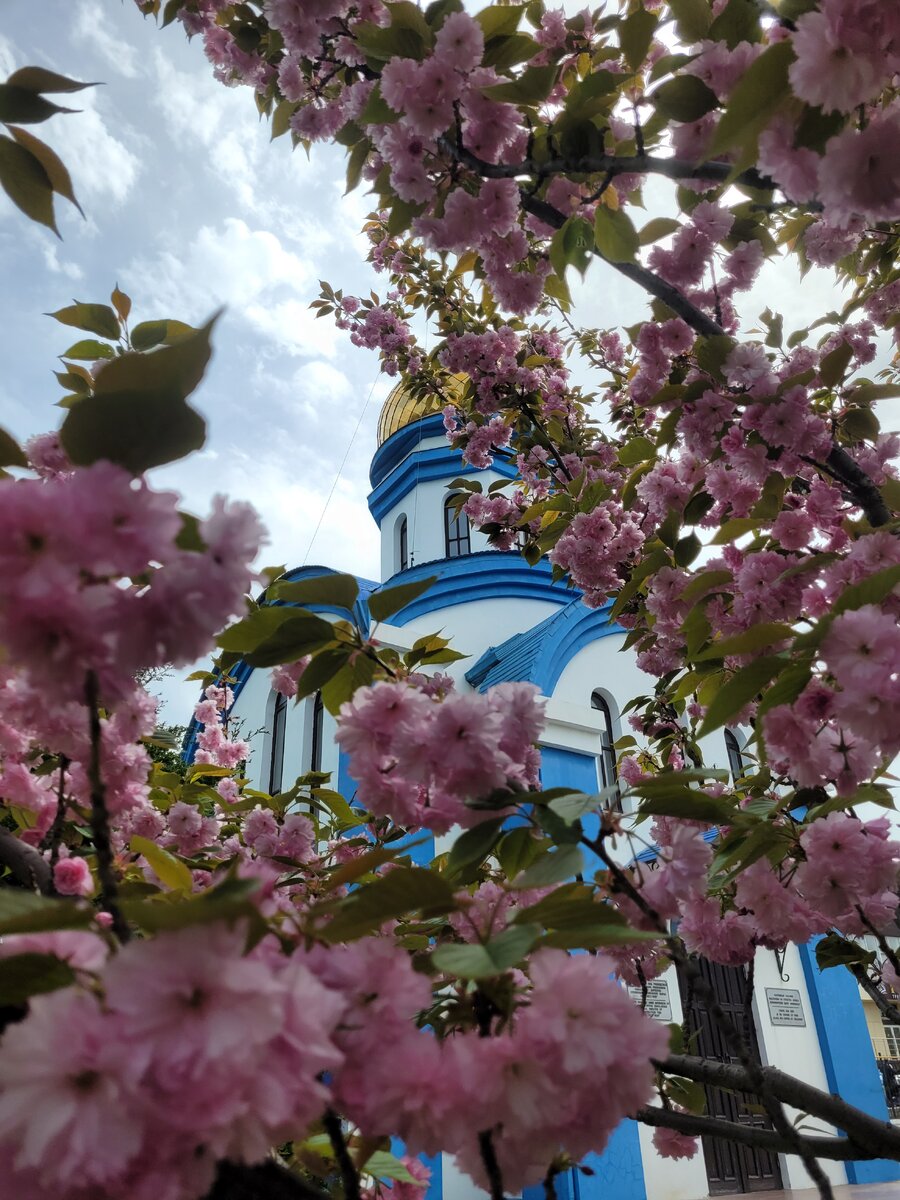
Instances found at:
x=276 y=759
x=735 y=758
x=318 y=722
x=456 y=530
x=403 y=544
x=607 y=755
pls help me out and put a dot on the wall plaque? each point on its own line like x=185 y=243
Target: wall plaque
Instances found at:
x=785 y=1006
x=659 y=1006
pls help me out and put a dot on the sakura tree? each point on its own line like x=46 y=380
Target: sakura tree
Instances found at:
x=210 y=991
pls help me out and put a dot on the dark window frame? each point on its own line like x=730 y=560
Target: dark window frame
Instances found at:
x=403 y=543
x=607 y=756
x=317 y=735
x=457 y=538
x=736 y=763
x=276 y=757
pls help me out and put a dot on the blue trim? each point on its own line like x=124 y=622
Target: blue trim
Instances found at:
x=542 y=653
x=847 y=1052
x=578 y=771
x=618 y=1172
x=392 y=452
x=425 y=466
x=484 y=575
x=242 y=672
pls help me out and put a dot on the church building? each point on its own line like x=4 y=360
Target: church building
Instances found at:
x=515 y=623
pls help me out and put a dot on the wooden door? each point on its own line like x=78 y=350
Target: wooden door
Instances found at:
x=730 y=1168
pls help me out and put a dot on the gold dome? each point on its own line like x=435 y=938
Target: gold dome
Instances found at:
x=402 y=408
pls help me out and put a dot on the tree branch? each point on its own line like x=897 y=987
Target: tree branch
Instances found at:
x=880 y=1138
x=26 y=865
x=645 y=278
x=261 y=1181
x=349 y=1174
x=859 y=973
x=860 y=486
x=836 y=1149
x=109 y=888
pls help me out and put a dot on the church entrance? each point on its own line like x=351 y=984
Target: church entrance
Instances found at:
x=729 y=1168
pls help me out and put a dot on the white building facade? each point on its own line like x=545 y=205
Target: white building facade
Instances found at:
x=514 y=623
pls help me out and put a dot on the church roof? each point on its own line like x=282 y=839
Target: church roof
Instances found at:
x=540 y=654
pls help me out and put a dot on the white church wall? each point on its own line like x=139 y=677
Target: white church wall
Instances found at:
x=793 y=1049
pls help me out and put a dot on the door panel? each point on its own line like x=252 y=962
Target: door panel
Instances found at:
x=729 y=1168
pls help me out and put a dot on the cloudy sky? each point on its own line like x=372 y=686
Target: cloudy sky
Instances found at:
x=190 y=207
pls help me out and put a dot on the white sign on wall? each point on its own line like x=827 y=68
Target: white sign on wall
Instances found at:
x=658 y=1006
x=785 y=1006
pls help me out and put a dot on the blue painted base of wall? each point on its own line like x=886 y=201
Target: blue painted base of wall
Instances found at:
x=616 y=1174
x=847 y=1052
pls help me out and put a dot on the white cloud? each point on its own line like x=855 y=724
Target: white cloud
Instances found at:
x=10 y=57
x=104 y=166
x=50 y=251
x=89 y=28
x=231 y=264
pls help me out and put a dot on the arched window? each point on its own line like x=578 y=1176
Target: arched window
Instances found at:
x=276 y=759
x=607 y=755
x=456 y=530
x=735 y=758
x=318 y=722
x=402 y=545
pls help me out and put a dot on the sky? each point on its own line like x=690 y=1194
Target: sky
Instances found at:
x=189 y=207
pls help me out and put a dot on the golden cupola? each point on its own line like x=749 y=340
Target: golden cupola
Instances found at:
x=402 y=407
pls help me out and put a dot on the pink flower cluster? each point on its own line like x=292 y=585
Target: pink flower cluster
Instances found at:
x=419 y=761
x=214 y=744
x=70 y=547
x=597 y=548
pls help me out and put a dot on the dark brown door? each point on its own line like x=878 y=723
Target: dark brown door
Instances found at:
x=729 y=1168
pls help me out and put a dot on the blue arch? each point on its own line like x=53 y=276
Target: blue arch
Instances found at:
x=542 y=653
x=425 y=466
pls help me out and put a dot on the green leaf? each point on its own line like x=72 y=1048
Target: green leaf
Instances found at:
x=658 y=227
x=23 y=106
x=39 y=79
x=517 y=849
x=572 y=244
x=387 y=601
x=336 y=591
x=552 y=867
x=686 y=550
x=25 y=975
x=256 y=628
x=400 y=891
x=868 y=393
x=744 y=686
x=171 y=870
x=614 y=234
x=572 y=807
x=26 y=912
x=499 y=21
x=384 y=1165
x=137 y=416
x=738 y=22
x=871 y=590
x=712 y=352
x=686 y=98
x=148 y=334
x=765 y=634
x=692 y=19
x=834 y=365
x=11 y=453
x=639 y=449
x=688 y=803
x=474 y=845
x=474 y=961
x=88 y=350
x=686 y=1093
x=54 y=167
x=754 y=99
x=635 y=35
x=230 y=901
x=25 y=181
x=532 y=86
x=836 y=951
x=94 y=318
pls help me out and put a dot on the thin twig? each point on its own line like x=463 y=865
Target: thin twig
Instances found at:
x=109 y=888
x=349 y=1174
x=491 y=1166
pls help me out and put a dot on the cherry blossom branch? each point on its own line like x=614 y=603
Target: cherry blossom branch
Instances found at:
x=26 y=864
x=860 y=486
x=878 y=1138
x=836 y=1149
x=53 y=836
x=349 y=1174
x=109 y=889
x=238 y=1181
x=859 y=973
x=491 y=1166
x=643 y=276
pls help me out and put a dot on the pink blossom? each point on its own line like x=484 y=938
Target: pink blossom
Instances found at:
x=860 y=172
x=72 y=877
x=669 y=1143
